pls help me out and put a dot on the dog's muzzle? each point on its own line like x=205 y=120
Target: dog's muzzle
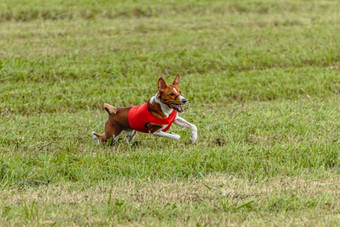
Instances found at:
x=178 y=107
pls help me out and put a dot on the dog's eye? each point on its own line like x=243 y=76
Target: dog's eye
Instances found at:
x=172 y=94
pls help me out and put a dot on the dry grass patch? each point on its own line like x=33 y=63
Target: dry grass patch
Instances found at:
x=226 y=199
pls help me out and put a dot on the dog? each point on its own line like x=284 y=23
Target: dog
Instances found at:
x=154 y=116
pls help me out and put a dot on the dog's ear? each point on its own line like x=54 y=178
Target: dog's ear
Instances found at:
x=161 y=84
x=176 y=81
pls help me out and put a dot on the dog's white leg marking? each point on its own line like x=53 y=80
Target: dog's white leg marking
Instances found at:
x=180 y=121
x=166 y=135
x=95 y=138
x=115 y=138
x=130 y=135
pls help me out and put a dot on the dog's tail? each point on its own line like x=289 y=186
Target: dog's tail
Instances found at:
x=110 y=109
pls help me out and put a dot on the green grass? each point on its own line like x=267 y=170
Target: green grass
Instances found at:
x=263 y=82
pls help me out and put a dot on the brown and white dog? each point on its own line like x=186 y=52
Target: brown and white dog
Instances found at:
x=155 y=116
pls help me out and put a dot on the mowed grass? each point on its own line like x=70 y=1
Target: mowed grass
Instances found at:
x=263 y=81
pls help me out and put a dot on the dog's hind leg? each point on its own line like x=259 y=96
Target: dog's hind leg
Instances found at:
x=115 y=138
x=130 y=135
x=110 y=132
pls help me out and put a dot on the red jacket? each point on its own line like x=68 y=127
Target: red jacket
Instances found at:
x=140 y=115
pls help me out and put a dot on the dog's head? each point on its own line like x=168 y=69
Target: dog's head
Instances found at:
x=171 y=94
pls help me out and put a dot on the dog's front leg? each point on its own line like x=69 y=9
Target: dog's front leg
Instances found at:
x=180 y=121
x=167 y=135
x=156 y=129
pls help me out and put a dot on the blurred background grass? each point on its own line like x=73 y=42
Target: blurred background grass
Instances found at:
x=263 y=82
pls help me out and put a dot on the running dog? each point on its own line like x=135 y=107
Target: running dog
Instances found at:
x=154 y=116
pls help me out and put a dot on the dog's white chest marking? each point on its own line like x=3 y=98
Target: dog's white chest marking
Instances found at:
x=166 y=110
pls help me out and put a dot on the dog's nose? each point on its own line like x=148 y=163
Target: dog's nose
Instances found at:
x=184 y=101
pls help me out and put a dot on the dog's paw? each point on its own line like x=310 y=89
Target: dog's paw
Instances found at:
x=193 y=140
x=95 y=138
x=93 y=135
x=193 y=137
x=175 y=136
x=193 y=134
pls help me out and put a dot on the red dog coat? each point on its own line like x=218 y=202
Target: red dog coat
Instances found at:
x=140 y=115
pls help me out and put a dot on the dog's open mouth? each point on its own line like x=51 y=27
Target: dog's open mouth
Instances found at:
x=177 y=107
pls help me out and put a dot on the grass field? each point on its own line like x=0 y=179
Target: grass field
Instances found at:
x=263 y=81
